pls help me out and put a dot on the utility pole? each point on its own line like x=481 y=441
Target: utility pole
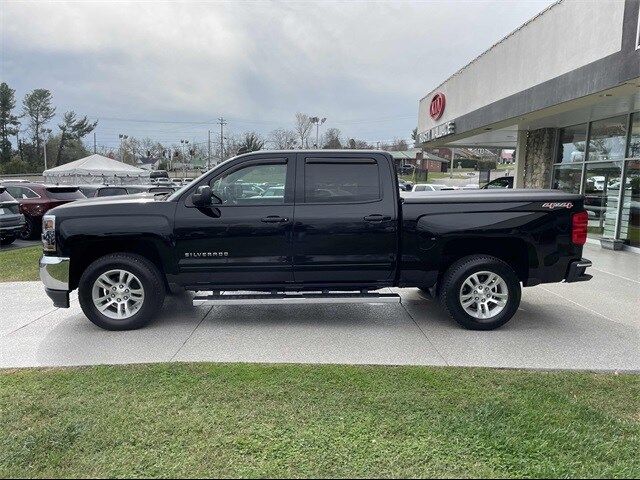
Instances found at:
x=94 y=143
x=222 y=123
x=209 y=152
x=453 y=151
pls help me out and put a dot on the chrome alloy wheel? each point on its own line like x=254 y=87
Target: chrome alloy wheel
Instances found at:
x=118 y=294
x=484 y=295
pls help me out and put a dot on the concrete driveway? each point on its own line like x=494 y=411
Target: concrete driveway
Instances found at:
x=593 y=325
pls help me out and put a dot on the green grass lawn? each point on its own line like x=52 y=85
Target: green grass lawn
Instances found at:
x=20 y=264
x=290 y=420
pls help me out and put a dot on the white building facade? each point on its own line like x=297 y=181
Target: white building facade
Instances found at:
x=564 y=91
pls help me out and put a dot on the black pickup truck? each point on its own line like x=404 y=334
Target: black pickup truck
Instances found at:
x=298 y=226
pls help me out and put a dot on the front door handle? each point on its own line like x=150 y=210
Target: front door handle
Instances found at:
x=376 y=218
x=274 y=219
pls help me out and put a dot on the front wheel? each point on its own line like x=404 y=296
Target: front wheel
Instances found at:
x=480 y=292
x=121 y=291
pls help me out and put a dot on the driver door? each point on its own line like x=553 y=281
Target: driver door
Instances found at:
x=244 y=238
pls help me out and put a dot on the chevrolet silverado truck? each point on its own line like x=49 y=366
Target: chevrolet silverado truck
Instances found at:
x=319 y=226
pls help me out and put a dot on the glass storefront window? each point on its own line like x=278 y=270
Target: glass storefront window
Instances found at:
x=630 y=215
x=634 y=141
x=601 y=195
x=572 y=144
x=608 y=139
x=567 y=178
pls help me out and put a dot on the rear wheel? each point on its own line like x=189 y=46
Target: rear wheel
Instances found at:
x=31 y=229
x=121 y=291
x=480 y=292
x=7 y=241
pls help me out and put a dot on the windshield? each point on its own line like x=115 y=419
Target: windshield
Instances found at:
x=180 y=191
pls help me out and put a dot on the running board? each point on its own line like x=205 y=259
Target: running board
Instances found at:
x=294 y=298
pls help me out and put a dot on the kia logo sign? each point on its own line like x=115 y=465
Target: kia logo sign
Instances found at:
x=436 y=109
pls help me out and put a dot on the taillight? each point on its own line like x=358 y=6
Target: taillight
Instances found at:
x=579 y=223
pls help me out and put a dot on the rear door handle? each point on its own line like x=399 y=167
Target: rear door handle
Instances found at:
x=274 y=219
x=376 y=218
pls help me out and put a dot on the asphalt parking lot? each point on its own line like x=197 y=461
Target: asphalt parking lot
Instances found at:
x=21 y=244
x=593 y=325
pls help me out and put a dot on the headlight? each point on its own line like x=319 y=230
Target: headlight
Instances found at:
x=49 y=233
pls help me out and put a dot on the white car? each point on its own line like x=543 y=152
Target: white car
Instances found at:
x=427 y=187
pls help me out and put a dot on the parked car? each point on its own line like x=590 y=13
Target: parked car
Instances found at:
x=91 y=191
x=36 y=199
x=406 y=169
x=405 y=185
x=11 y=220
x=340 y=226
x=158 y=175
x=502 y=182
x=426 y=187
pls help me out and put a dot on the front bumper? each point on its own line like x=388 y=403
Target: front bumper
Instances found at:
x=54 y=273
x=13 y=228
x=576 y=271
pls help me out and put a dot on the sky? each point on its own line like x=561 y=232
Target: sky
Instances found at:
x=168 y=70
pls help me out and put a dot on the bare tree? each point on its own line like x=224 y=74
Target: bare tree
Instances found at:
x=283 y=139
x=303 y=128
x=331 y=138
x=354 y=144
x=399 y=144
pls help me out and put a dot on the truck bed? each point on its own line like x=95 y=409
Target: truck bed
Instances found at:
x=476 y=196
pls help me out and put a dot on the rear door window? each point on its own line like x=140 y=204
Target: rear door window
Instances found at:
x=341 y=181
x=64 y=193
x=111 y=192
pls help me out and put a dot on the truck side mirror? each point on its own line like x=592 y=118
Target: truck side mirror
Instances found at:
x=202 y=197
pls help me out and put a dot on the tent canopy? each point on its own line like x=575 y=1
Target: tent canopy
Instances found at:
x=96 y=169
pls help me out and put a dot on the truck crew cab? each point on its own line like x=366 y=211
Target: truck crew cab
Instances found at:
x=322 y=225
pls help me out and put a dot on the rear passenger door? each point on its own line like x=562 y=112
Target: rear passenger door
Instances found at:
x=345 y=219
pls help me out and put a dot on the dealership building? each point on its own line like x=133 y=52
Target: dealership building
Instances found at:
x=563 y=90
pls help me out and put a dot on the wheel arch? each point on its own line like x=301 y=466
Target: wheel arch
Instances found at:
x=516 y=252
x=85 y=251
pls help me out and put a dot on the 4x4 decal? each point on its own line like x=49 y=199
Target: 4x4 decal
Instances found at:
x=554 y=205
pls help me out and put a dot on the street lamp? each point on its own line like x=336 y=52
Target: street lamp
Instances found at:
x=183 y=144
x=46 y=132
x=318 y=121
x=122 y=138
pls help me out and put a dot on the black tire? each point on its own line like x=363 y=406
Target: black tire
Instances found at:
x=427 y=291
x=31 y=229
x=455 y=276
x=149 y=276
x=7 y=241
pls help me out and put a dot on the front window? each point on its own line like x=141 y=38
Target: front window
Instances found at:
x=634 y=140
x=248 y=185
x=567 y=178
x=607 y=139
x=601 y=192
x=630 y=215
x=21 y=193
x=572 y=144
